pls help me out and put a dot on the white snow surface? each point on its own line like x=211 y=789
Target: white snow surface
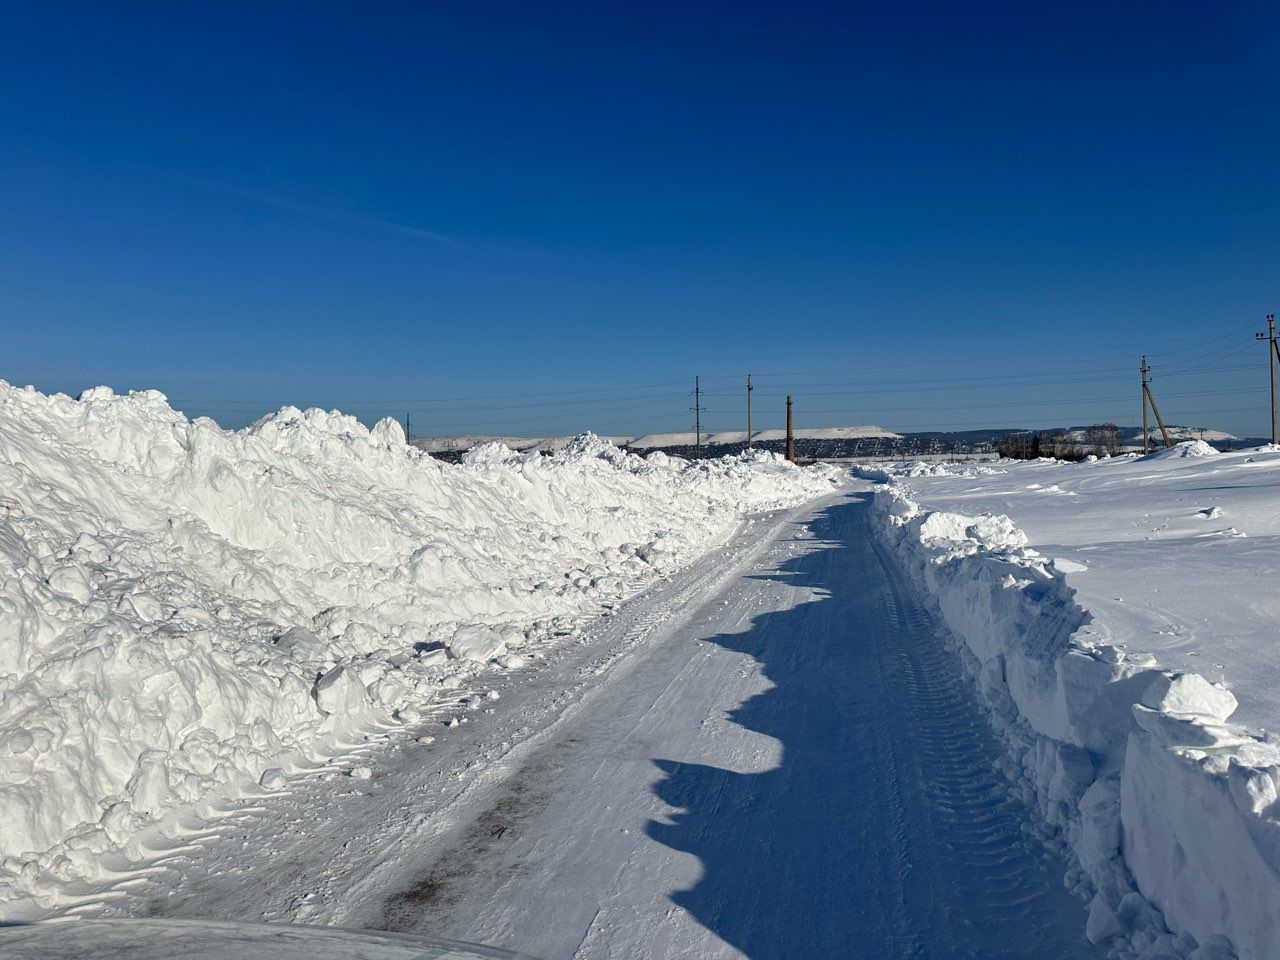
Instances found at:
x=184 y=609
x=1116 y=611
x=770 y=754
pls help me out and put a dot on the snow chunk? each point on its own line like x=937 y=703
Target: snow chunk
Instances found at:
x=475 y=641
x=1188 y=694
x=338 y=691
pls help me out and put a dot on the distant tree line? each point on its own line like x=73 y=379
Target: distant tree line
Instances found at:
x=1100 y=440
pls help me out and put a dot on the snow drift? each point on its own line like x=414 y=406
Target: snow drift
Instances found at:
x=184 y=607
x=1187 y=448
x=1171 y=811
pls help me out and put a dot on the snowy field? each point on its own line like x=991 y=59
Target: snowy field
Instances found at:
x=187 y=613
x=1121 y=615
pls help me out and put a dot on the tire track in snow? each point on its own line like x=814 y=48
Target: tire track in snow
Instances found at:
x=984 y=828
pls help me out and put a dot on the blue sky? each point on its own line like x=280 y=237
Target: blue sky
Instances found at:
x=539 y=218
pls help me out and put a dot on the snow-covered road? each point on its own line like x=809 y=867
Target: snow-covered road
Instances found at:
x=770 y=755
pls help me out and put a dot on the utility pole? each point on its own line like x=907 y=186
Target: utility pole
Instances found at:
x=1149 y=397
x=697 y=417
x=406 y=426
x=791 y=440
x=1273 y=354
x=748 y=411
x=1146 y=443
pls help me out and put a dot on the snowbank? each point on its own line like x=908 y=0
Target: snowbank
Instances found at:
x=1171 y=811
x=1187 y=448
x=183 y=607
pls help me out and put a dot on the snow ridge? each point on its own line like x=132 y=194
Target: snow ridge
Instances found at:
x=184 y=608
x=1171 y=812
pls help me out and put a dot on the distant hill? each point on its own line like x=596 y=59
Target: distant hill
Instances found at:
x=826 y=443
x=663 y=440
x=652 y=441
x=464 y=443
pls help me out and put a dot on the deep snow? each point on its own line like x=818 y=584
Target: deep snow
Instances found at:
x=186 y=610
x=769 y=755
x=1116 y=610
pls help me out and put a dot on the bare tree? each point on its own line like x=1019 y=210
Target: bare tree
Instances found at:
x=1103 y=439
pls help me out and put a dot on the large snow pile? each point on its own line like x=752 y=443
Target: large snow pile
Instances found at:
x=1101 y=622
x=183 y=607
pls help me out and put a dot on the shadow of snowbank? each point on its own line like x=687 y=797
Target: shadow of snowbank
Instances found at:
x=884 y=831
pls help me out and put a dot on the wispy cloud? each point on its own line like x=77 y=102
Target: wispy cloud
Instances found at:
x=325 y=214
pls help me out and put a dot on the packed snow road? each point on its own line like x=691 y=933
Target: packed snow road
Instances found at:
x=771 y=755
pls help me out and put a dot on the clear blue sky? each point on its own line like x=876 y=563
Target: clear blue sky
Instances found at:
x=542 y=217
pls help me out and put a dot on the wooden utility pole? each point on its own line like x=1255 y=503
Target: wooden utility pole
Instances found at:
x=406 y=426
x=791 y=440
x=1149 y=397
x=748 y=411
x=1273 y=354
x=1146 y=441
x=697 y=417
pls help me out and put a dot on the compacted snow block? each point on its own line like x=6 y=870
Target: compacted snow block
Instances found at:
x=477 y=642
x=183 y=609
x=1171 y=811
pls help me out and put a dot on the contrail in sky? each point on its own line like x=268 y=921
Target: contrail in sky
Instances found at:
x=324 y=213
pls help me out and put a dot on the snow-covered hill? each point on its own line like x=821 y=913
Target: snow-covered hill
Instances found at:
x=467 y=442
x=652 y=441
x=184 y=608
x=1132 y=436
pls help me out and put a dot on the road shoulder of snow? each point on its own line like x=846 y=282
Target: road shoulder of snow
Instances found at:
x=1169 y=809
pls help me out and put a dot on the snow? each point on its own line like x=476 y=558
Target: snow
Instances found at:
x=189 y=612
x=770 y=754
x=1179 y=433
x=1132 y=436
x=739 y=436
x=1187 y=448
x=1120 y=613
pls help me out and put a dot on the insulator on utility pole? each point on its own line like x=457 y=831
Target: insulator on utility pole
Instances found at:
x=748 y=411
x=1273 y=355
x=791 y=440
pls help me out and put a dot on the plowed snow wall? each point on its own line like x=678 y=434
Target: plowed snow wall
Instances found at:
x=1171 y=812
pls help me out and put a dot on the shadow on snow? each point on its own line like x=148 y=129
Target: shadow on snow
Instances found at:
x=847 y=849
